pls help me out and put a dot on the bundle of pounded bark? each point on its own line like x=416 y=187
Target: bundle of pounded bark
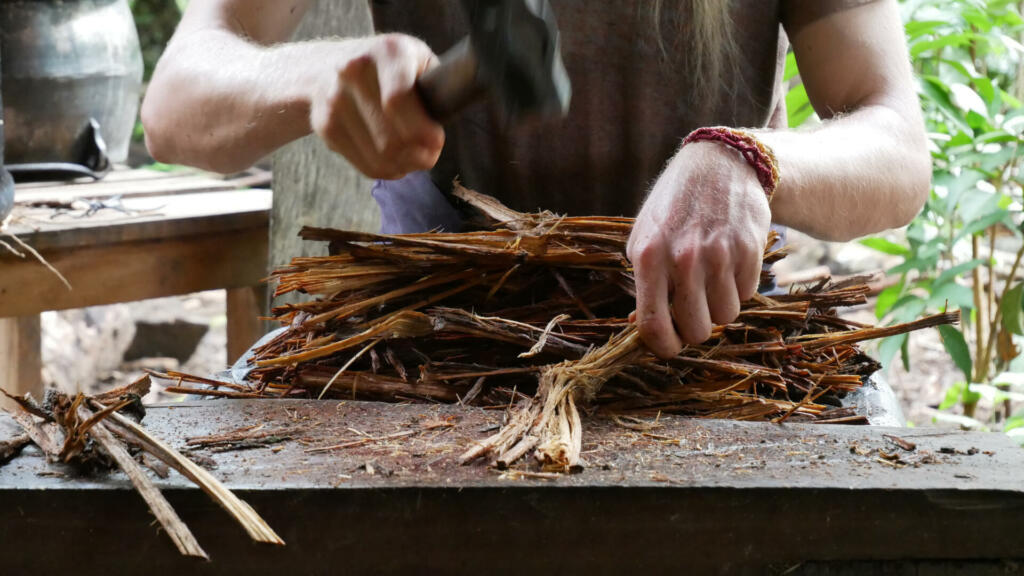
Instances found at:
x=530 y=311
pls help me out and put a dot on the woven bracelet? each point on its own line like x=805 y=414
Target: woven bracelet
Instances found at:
x=756 y=153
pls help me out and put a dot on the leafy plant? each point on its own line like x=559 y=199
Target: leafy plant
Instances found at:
x=967 y=59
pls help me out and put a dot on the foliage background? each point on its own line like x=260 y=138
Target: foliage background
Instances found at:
x=964 y=249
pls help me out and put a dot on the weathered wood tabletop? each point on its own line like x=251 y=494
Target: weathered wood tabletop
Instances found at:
x=687 y=494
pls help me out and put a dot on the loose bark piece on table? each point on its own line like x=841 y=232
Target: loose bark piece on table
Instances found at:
x=165 y=514
x=11 y=448
x=63 y=427
x=254 y=525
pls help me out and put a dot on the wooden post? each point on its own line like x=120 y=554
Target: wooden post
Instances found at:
x=20 y=356
x=244 y=306
x=313 y=185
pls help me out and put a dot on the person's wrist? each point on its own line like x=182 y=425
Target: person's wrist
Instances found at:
x=744 y=147
x=717 y=171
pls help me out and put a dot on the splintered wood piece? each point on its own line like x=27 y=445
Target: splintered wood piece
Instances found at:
x=139 y=388
x=253 y=524
x=11 y=448
x=179 y=533
x=41 y=433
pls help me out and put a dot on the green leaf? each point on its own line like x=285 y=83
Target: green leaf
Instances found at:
x=967 y=99
x=1010 y=309
x=956 y=346
x=970 y=396
x=952 y=396
x=978 y=19
x=161 y=167
x=1010 y=99
x=975 y=203
x=997 y=137
x=951 y=296
x=791 y=67
x=978 y=122
x=950 y=274
x=956 y=187
x=916 y=28
x=937 y=92
x=922 y=264
x=983 y=86
x=888 y=347
x=886 y=298
x=885 y=246
x=981 y=224
x=943 y=41
x=798 y=105
x=905 y=354
x=1014 y=422
x=908 y=307
x=961 y=139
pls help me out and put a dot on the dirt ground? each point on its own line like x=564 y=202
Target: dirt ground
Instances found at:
x=83 y=348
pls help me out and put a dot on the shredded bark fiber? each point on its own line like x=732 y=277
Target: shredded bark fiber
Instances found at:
x=530 y=311
x=91 y=432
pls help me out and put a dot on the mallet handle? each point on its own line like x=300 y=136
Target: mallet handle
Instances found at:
x=453 y=84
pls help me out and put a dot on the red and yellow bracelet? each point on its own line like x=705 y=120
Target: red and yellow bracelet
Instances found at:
x=756 y=153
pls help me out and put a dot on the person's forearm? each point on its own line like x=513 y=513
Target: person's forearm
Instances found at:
x=854 y=175
x=221 y=103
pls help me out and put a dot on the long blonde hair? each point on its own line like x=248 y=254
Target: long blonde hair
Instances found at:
x=704 y=35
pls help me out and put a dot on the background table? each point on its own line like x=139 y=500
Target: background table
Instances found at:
x=150 y=234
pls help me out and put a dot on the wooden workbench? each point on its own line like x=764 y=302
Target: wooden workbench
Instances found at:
x=136 y=234
x=687 y=497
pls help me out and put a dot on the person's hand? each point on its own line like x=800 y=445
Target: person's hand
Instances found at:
x=697 y=246
x=368 y=111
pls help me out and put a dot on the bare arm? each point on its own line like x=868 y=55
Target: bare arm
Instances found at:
x=866 y=168
x=228 y=91
x=697 y=243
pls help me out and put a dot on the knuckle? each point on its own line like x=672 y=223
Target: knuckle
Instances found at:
x=355 y=67
x=685 y=258
x=392 y=45
x=717 y=250
x=646 y=253
x=645 y=327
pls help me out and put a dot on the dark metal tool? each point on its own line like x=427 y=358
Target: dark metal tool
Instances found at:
x=512 y=52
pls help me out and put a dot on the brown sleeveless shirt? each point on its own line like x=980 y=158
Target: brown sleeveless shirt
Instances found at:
x=632 y=99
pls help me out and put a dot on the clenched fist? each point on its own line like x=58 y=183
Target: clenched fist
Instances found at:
x=697 y=245
x=369 y=112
